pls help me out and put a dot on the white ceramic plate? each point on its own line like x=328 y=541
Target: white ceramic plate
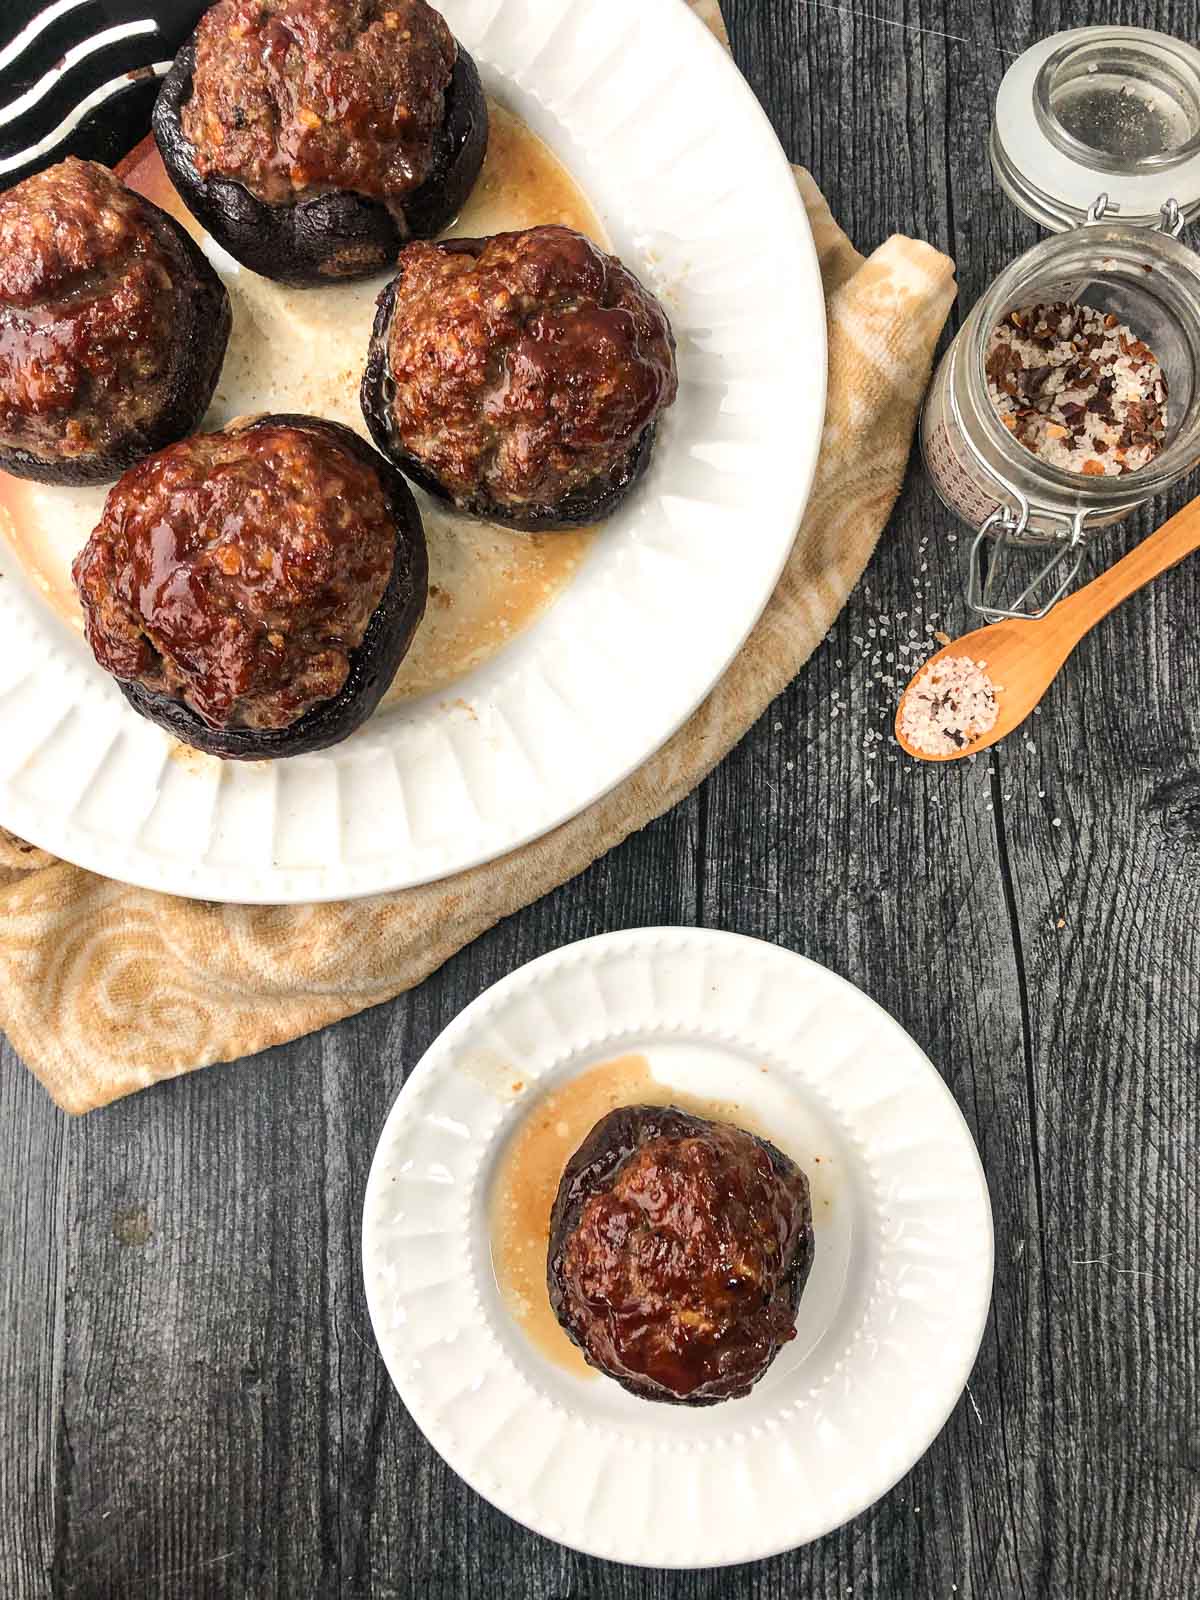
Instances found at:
x=676 y=156
x=890 y=1321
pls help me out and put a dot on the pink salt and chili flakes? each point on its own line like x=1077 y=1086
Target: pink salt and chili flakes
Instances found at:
x=950 y=705
x=1078 y=389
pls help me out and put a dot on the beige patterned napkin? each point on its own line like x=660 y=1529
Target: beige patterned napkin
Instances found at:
x=105 y=989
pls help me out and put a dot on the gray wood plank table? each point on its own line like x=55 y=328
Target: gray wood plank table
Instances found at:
x=191 y=1403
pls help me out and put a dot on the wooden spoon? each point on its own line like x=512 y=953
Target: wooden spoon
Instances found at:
x=1023 y=657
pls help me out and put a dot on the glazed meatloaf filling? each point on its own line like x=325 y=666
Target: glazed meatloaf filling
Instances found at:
x=86 y=294
x=238 y=572
x=686 y=1245
x=293 y=98
x=523 y=367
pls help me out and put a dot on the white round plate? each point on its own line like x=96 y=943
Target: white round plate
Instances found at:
x=890 y=1321
x=675 y=154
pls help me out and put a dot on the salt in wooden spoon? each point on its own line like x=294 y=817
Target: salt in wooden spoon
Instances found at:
x=1022 y=658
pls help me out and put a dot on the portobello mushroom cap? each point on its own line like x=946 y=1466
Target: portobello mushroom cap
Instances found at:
x=372 y=664
x=568 y=363
x=340 y=234
x=678 y=1252
x=120 y=410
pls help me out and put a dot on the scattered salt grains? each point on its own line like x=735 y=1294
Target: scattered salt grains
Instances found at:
x=865 y=672
x=950 y=705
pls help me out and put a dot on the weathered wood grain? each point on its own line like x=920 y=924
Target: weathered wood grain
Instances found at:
x=190 y=1399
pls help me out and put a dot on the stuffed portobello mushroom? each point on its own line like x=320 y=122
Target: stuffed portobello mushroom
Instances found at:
x=679 y=1249
x=113 y=327
x=313 y=138
x=253 y=591
x=519 y=377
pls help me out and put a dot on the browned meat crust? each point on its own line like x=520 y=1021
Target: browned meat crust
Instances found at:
x=679 y=1249
x=518 y=374
x=238 y=572
x=101 y=297
x=294 y=98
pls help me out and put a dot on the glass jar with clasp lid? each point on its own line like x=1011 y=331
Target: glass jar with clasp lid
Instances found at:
x=1096 y=135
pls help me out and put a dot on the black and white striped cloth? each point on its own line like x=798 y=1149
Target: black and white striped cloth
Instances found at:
x=78 y=77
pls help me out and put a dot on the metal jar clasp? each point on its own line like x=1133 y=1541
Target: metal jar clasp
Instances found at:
x=1171 y=219
x=993 y=556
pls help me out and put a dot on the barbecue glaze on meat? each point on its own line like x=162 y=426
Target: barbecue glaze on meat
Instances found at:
x=312 y=138
x=679 y=1249
x=520 y=376
x=113 y=326
x=234 y=580
x=298 y=97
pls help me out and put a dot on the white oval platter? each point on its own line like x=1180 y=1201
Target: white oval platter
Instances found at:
x=676 y=156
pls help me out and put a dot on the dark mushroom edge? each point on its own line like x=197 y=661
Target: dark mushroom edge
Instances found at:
x=579 y=509
x=372 y=666
x=201 y=322
x=334 y=237
x=592 y=1171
